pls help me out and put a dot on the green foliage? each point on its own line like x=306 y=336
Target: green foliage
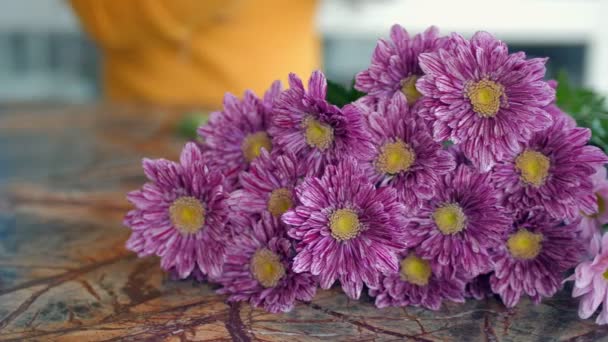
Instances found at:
x=587 y=107
x=340 y=95
x=189 y=123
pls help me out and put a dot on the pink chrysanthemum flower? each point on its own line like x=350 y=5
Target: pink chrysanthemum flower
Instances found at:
x=591 y=282
x=347 y=229
x=268 y=185
x=180 y=215
x=258 y=268
x=235 y=136
x=483 y=98
x=417 y=283
x=553 y=171
x=591 y=223
x=461 y=224
x=405 y=156
x=316 y=132
x=533 y=258
x=394 y=67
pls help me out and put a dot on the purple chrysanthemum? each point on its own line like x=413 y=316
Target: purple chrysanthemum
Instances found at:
x=478 y=95
x=316 y=132
x=180 y=214
x=405 y=156
x=553 y=171
x=258 y=268
x=394 y=67
x=235 y=136
x=348 y=229
x=268 y=185
x=460 y=224
x=533 y=257
x=417 y=283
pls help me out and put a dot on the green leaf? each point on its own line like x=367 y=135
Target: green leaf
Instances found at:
x=354 y=93
x=587 y=107
x=337 y=94
x=187 y=127
x=340 y=95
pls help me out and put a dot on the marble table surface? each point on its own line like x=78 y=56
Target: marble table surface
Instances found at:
x=66 y=276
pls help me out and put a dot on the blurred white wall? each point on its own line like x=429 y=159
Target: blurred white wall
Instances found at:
x=37 y=16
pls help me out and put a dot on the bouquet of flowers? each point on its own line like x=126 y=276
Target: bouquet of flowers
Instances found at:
x=451 y=174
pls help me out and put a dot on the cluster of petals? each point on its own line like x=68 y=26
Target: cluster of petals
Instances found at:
x=455 y=176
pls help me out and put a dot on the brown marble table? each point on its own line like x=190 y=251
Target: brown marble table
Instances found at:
x=65 y=274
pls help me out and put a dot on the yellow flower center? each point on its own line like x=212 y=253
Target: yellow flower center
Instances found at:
x=449 y=218
x=408 y=88
x=279 y=201
x=605 y=274
x=267 y=268
x=318 y=134
x=485 y=97
x=415 y=270
x=395 y=157
x=187 y=214
x=253 y=144
x=533 y=167
x=344 y=224
x=524 y=244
